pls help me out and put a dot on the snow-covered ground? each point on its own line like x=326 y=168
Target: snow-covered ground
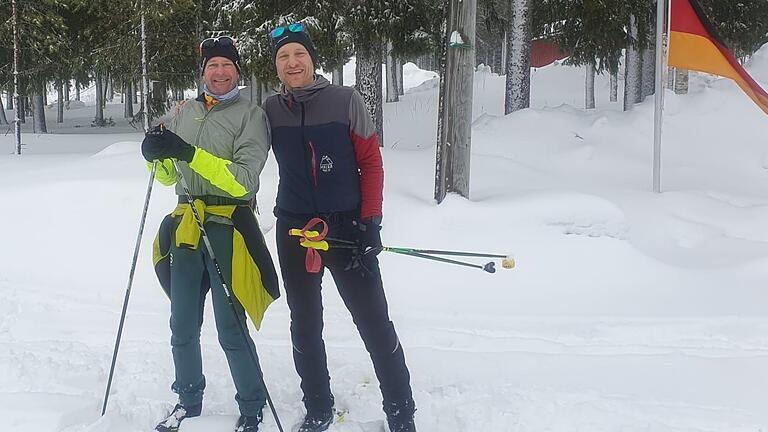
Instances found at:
x=628 y=311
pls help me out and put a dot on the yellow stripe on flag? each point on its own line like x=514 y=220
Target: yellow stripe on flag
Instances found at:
x=694 y=52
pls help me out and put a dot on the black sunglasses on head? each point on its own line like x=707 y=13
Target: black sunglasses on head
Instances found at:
x=212 y=42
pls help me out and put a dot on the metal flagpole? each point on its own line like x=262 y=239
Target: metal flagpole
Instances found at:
x=659 y=94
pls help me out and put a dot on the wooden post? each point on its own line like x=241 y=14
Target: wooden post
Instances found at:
x=456 y=114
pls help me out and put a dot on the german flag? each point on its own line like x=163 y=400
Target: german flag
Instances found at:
x=694 y=44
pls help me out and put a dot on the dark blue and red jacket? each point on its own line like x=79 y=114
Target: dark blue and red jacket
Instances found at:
x=327 y=151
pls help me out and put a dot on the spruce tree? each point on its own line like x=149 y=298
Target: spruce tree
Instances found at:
x=41 y=32
x=593 y=32
x=742 y=24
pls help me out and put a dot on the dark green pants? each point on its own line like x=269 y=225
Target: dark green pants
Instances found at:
x=192 y=274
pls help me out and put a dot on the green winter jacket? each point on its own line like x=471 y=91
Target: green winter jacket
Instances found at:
x=232 y=143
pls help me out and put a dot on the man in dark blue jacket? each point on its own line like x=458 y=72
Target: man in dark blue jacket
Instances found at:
x=330 y=167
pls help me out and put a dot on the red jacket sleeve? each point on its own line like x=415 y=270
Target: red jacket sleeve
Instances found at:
x=366 y=144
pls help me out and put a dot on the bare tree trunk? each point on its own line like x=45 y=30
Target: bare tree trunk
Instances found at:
x=399 y=75
x=589 y=87
x=38 y=112
x=60 y=104
x=504 y=52
x=3 y=118
x=251 y=88
x=392 y=93
x=648 y=73
x=639 y=80
x=110 y=90
x=16 y=48
x=631 y=76
x=670 y=77
x=456 y=117
x=144 y=74
x=614 y=94
x=77 y=91
x=518 y=90
x=105 y=87
x=32 y=104
x=498 y=62
x=442 y=147
x=681 y=81
x=257 y=91
x=338 y=76
x=141 y=101
x=368 y=77
x=99 y=100
x=128 y=100
x=66 y=94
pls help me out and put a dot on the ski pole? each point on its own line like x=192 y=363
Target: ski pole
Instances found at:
x=455 y=253
x=227 y=291
x=490 y=267
x=506 y=260
x=130 y=283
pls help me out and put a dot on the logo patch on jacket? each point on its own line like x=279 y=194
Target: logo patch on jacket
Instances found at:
x=326 y=164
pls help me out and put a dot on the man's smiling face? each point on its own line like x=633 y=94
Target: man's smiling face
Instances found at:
x=220 y=75
x=294 y=66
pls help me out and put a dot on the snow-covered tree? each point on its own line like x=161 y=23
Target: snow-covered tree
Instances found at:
x=331 y=36
x=518 y=68
x=632 y=67
x=251 y=23
x=593 y=32
x=491 y=34
x=41 y=42
x=743 y=25
x=368 y=22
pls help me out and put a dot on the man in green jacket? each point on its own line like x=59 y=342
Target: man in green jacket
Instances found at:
x=220 y=143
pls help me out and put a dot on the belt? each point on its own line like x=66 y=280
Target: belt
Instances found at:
x=332 y=218
x=212 y=200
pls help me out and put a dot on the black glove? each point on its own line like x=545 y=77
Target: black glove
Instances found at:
x=368 y=246
x=160 y=143
x=369 y=236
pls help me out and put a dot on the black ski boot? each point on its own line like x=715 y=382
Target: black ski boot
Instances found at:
x=317 y=421
x=248 y=423
x=400 y=416
x=179 y=413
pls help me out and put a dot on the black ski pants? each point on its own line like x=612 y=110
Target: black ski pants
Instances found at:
x=363 y=295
